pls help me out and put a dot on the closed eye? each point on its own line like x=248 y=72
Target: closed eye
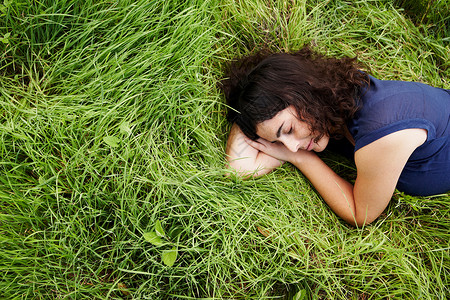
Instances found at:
x=290 y=130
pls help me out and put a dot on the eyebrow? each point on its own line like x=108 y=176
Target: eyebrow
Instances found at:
x=279 y=130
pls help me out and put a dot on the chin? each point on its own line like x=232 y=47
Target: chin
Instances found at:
x=318 y=150
x=321 y=144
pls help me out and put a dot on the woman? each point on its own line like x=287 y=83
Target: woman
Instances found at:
x=286 y=107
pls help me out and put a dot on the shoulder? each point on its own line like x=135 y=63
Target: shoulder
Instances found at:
x=390 y=106
x=389 y=153
x=393 y=93
x=380 y=94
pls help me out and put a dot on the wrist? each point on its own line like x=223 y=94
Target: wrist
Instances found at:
x=302 y=157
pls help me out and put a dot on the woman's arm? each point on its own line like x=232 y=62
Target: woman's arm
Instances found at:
x=378 y=164
x=245 y=159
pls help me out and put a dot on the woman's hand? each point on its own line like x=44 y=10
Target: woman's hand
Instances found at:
x=278 y=150
x=246 y=159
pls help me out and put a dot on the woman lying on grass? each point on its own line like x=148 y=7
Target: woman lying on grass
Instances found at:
x=285 y=107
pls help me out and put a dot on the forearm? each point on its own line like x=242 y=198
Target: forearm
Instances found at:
x=336 y=192
x=359 y=204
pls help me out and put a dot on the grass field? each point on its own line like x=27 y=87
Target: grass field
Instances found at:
x=112 y=157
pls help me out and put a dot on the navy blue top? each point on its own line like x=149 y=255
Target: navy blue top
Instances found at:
x=389 y=106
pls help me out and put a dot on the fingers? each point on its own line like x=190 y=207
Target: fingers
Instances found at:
x=259 y=144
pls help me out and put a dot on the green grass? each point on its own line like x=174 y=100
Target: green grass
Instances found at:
x=433 y=16
x=111 y=120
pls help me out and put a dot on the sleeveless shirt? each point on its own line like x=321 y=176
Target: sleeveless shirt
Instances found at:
x=388 y=106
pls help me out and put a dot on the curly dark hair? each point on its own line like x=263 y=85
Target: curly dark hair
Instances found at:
x=323 y=90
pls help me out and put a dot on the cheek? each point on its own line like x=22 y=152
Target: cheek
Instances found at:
x=302 y=129
x=264 y=130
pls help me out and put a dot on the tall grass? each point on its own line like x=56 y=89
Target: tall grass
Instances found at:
x=112 y=129
x=433 y=16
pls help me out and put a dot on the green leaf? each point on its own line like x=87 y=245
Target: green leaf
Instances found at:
x=153 y=238
x=300 y=295
x=5 y=38
x=129 y=153
x=169 y=256
x=125 y=127
x=111 y=141
x=158 y=228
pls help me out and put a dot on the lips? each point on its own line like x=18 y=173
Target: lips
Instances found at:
x=310 y=145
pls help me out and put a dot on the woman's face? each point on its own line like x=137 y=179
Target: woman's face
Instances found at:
x=285 y=127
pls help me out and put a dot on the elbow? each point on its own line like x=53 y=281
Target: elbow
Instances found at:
x=236 y=170
x=358 y=223
x=363 y=214
x=362 y=220
x=361 y=223
x=241 y=168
